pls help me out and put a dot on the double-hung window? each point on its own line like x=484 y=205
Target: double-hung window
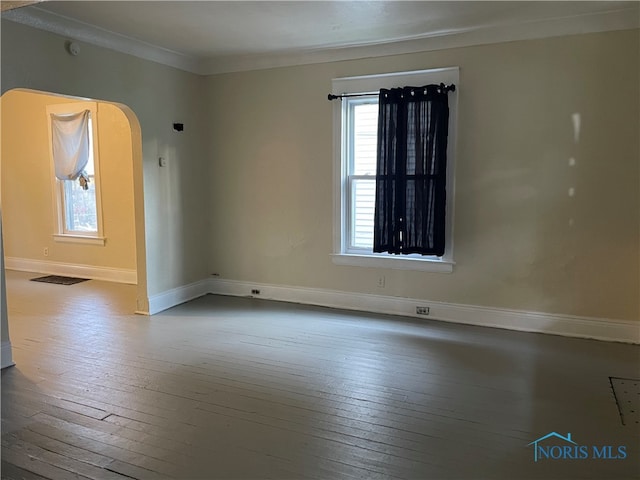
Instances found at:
x=356 y=130
x=361 y=118
x=77 y=203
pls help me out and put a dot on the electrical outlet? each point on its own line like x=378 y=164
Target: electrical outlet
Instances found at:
x=255 y=291
x=46 y=251
x=422 y=310
x=381 y=281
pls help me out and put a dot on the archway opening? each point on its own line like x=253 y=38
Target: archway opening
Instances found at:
x=28 y=194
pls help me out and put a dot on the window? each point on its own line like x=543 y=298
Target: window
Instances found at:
x=80 y=210
x=77 y=201
x=362 y=118
x=356 y=121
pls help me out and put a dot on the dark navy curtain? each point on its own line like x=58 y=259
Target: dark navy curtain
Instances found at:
x=412 y=170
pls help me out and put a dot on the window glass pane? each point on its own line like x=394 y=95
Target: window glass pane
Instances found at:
x=364 y=201
x=365 y=132
x=80 y=212
x=80 y=206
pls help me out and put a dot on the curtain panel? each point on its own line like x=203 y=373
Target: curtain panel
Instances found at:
x=70 y=137
x=411 y=172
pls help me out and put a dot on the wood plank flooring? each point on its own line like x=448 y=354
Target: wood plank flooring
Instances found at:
x=242 y=388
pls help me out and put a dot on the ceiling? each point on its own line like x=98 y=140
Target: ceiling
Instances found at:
x=214 y=36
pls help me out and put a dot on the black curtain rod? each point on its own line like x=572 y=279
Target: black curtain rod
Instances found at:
x=345 y=95
x=447 y=88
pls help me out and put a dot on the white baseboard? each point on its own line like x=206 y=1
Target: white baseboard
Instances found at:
x=176 y=296
x=6 y=357
x=538 y=322
x=566 y=325
x=119 y=275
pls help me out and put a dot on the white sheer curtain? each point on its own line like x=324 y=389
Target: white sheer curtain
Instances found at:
x=70 y=137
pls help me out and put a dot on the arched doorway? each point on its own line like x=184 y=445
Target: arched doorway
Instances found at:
x=27 y=198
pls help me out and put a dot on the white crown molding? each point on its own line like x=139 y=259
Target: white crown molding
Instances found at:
x=580 y=24
x=623 y=19
x=118 y=275
x=75 y=30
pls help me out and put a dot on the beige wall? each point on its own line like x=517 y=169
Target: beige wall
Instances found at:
x=27 y=189
x=249 y=191
x=175 y=224
x=521 y=241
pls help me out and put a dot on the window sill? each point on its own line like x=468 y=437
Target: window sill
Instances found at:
x=87 y=240
x=381 y=261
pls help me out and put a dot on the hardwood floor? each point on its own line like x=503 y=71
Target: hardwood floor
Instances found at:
x=242 y=388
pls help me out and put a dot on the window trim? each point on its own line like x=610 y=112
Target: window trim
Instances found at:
x=342 y=255
x=60 y=234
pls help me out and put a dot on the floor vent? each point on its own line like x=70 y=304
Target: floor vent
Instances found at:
x=627 y=394
x=58 y=280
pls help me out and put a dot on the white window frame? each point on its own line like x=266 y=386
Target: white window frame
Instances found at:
x=60 y=233
x=342 y=254
x=350 y=178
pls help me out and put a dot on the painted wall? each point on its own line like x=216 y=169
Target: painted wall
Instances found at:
x=248 y=192
x=6 y=357
x=534 y=230
x=27 y=189
x=175 y=224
